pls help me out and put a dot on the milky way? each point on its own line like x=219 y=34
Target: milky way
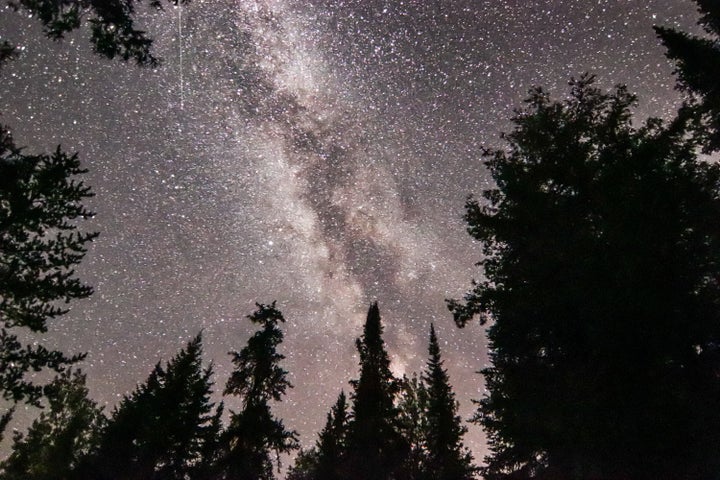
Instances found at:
x=314 y=153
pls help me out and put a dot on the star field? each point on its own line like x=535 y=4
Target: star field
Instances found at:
x=315 y=153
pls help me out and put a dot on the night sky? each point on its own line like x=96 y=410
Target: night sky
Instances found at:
x=314 y=152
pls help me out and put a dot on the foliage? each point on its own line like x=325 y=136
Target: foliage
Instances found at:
x=40 y=202
x=112 y=25
x=601 y=254
x=331 y=446
x=376 y=448
x=305 y=466
x=697 y=61
x=254 y=433
x=446 y=457
x=60 y=437
x=412 y=403
x=164 y=428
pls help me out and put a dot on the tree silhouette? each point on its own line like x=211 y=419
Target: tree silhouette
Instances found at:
x=326 y=459
x=601 y=249
x=697 y=61
x=254 y=434
x=412 y=403
x=447 y=457
x=305 y=465
x=62 y=435
x=332 y=442
x=112 y=26
x=41 y=200
x=376 y=449
x=163 y=429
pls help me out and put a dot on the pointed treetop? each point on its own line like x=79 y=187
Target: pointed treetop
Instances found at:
x=372 y=331
x=433 y=347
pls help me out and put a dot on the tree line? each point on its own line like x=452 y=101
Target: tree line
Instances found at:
x=169 y=427
x=600 y=290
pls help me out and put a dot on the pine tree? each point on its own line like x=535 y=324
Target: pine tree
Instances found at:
x=60 y=437
x=113 y=32
x=254 y=434
x=41 y=199
x=163 y=428
x=447 y=458
x=697 y=61
x=376 y=449
x=305 y=465
x=332 y=442
x=601 y=247
x=412 y=402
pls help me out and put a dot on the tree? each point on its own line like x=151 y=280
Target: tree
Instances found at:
x=163 y=429
x=305 y=466
x=412 y=402
x=447 y=458
x=601 y=254
x=254 y=433
x=376 y=449
x=40 y=200
x=63 y=434
x=40 y=244
x=326 y=459
x=112 y=26
x=697 y=61
x=332 y=442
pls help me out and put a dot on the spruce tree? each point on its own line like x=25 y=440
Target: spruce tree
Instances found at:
x=254 y=435
x=601 y=247
x=64 y=433
x=332 y=442
x=305 y=465
x=376 y=449
x=412 y=407
x=446 y=458
x=697 y=61
x=41 y=201
x=162 y=429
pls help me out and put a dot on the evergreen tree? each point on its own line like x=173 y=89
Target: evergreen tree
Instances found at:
x=325 y=460
x=254 y=434
x=332 y=442
x=305 y=466
x=63 y=434
x=447 y=458
x=112 y=26
x=376 y=449
x=163 y=428
x=412 y=406
x=40 y=244
x=602 y=281
x=698 y=68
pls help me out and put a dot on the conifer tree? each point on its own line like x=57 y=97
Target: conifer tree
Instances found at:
x=601 y=246
x=376 y=449
x=697 y=61
x=412 y=406
x=447 y=458
x=325 y=460
x=254 y=434
x=60 y=437
x=163 y=428
x=41 y=199
x=332 y=442
x=305 y=465
x=113 y=32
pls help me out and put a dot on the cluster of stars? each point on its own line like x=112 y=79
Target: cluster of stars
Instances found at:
x=314 y=153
